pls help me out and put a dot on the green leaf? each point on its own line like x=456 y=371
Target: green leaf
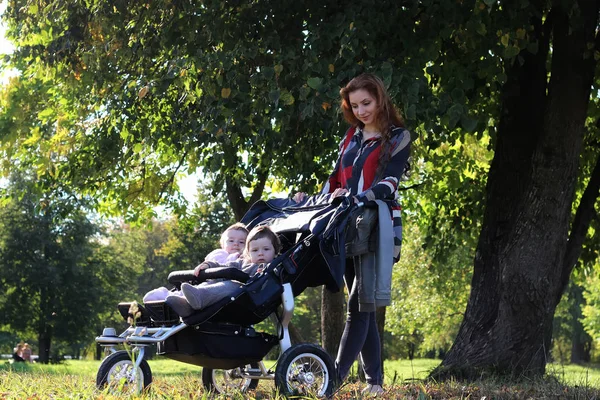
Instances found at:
x=314 y=83
x=124 y=133
x=46 y=113
x=274 y=96
x=482 y=29
x=386 y=72
x=511 y=51
x=287 y=98
x=457 y=94
x=268 y=72
x=304 y=91
x=411 y=112
x=469 y=124
x=307 y=112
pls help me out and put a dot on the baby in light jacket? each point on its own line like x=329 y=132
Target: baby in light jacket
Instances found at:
x=233 y=240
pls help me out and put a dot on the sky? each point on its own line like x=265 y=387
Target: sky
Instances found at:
x=5 y=46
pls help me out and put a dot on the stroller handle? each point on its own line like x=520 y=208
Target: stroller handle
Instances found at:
x=230 y=273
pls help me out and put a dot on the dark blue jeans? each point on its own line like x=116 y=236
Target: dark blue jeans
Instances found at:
x=360 y=337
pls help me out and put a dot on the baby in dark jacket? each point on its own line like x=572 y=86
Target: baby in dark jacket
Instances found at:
x=262 y=245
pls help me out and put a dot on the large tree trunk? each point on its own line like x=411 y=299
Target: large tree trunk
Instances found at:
x=520 y=257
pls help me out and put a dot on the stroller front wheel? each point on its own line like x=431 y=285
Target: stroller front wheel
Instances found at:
x=305 y=369
x=117 y=373
x=225 y=381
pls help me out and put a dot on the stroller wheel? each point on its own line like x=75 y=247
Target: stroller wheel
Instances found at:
x=227 y=381
x=305 y=369
x=117 y=374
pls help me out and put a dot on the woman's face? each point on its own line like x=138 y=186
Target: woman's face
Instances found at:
x=261 y=250
x=364 y=107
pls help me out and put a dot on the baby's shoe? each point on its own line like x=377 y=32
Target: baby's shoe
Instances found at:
x=180 y=305
x=372 y=390
x=192 y=295
x=157 y=294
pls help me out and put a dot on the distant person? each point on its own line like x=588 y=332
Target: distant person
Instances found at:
x=26 y=353
x=261 y=248
x=18 y=353
x=232 y=243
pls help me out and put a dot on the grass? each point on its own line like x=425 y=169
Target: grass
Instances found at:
x=176 y=380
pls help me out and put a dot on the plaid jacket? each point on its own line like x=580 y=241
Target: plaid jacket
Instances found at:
x=356 y=168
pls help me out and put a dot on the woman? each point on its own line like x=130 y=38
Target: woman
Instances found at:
x=26 y=353
x=18 y=353
x=372 y=159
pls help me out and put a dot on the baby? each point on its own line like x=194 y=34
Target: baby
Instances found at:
x=261 y=248
x=232 y=243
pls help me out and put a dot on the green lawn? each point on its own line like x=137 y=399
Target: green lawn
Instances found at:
x=176 y=380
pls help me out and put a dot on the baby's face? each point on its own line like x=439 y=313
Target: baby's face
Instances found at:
x=261 y=251
x=234 y=241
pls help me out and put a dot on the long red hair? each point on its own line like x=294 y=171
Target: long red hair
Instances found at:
x=387 y=114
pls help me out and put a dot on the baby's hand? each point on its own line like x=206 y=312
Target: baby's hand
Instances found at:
x=298 y=197
x=232 y=257
x=203 y=265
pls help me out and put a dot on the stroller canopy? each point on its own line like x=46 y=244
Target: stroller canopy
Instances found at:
x=318 y=216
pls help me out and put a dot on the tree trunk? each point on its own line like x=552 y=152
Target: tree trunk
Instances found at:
x=99 y=353
x=233 y=189
x=333 y=316
x=45 y=321
x=520 y=257
x=581 y=342
x=295 y=335
x=44 y=339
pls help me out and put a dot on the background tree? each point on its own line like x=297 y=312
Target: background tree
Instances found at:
x=47 y=255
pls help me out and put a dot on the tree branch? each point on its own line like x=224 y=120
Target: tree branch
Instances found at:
x=416 y=185
x=235 y=197
x=169 y=183
x=260 y=187
x=584 y=215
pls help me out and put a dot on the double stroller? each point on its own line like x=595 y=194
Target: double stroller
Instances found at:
x=221 y=338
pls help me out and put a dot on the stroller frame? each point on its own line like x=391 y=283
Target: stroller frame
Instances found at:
x=139 y=337
x=300 y=368
x=138 y=374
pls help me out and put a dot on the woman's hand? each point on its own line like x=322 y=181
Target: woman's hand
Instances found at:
x=298 y=197
x=339 y=192
x=342 y=192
